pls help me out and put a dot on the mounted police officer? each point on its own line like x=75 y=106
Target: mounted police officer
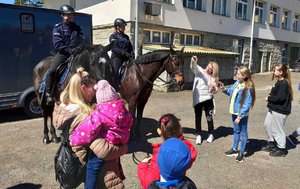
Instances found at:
x=122 y=50
x=67 y=38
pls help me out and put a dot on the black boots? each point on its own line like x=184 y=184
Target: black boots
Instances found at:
x=279 y=152
x=271 y=146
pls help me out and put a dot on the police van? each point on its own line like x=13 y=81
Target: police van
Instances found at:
x=26 y=39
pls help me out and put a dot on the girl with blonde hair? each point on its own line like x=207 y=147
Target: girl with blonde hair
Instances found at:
x=205 y=85
x=242 y=98
x=76 y=100
x=280 y=105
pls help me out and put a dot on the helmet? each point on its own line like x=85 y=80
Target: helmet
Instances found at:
x=66 y=9
x=119 y=22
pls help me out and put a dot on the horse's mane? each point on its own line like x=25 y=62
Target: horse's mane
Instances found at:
x=152 y=56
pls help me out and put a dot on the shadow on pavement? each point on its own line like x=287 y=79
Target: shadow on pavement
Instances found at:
x=12 y=115
x=26 y=185
x=254 y=145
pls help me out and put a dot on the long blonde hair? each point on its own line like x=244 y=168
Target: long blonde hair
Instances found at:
x=285 y=75
x=215 y=73
x=72 y=92
x=248 y=85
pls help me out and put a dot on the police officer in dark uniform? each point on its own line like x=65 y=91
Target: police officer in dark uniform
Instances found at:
x=122 y=50
x=67 y=38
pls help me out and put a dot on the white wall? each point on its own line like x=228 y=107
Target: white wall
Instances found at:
x=178 y=16
x=107 y=11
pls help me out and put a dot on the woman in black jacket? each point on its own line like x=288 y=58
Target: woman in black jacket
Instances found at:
x=122 y=50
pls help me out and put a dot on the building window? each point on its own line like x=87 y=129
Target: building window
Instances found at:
x=259 y=12
x=189 y=39
x=296 y=23
x=241 y=9
x=274 y=16
x=159 y=37
x=27 y=23
x=219 y=7
x=165 y=1
x=284 y=20
x=284 y=53
x=194 y=4
x=237 y=46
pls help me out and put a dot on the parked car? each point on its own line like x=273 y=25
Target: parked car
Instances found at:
x=297 y=66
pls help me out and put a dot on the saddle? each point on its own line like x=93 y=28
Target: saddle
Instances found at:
x=123 y=70
x=61 y=75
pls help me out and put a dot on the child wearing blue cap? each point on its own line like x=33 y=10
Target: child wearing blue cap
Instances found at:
x=174 y=158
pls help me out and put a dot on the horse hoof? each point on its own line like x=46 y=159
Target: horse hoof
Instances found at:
x=46 y=141
x=55 y=139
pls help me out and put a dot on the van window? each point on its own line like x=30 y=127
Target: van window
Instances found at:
x=27 y=23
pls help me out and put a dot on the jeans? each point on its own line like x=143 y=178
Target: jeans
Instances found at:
x=240 y=133
x=93 y=167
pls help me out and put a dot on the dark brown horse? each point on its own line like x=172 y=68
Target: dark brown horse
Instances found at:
x=140 y=76
x=94 y=60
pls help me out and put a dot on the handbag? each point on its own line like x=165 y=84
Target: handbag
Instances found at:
x=69 y=171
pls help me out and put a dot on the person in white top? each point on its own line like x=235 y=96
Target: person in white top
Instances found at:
x=205 y=85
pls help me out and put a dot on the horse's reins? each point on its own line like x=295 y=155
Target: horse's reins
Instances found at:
x=158 y=73
x=134 y=158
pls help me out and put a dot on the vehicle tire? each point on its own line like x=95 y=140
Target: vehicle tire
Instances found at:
x=32 y=107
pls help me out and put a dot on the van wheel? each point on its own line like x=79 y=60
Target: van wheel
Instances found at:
x=32 y=107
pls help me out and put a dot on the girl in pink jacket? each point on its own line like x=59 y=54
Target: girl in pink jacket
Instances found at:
x=110 y=120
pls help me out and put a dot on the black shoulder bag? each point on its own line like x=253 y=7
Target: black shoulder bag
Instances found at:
x=69 y=171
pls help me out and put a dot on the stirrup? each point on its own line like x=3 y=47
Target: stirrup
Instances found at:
x=49 y=99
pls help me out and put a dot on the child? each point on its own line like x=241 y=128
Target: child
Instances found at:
x=242 y=97
x=110 y=120
x=205 y=85
x=168 y=127
x=174 y=158
x=280 y=105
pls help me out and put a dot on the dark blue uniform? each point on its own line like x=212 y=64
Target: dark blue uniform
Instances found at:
x=65 y=38
x=122 y=50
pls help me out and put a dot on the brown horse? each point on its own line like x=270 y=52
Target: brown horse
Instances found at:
x=94 y=60
x=139 y=78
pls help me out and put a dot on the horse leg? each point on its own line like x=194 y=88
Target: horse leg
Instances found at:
x=132 y=110
x=140 y=110
x=54 y=137
x=46 y=130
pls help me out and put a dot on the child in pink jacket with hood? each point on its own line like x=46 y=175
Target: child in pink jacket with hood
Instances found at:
x=110 y=120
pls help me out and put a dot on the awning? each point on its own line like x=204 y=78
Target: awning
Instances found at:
x=190 y=49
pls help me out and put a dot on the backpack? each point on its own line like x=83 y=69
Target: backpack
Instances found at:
x=69 y=171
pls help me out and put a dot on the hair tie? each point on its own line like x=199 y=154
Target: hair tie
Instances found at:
x=165 y=120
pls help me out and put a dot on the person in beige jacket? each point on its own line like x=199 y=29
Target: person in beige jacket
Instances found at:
x=74 y=108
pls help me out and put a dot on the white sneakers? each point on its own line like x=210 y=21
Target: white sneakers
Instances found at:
x=210 y=138
x=198 y=140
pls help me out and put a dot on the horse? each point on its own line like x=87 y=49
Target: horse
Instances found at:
x=94 y=60
x=140 y=75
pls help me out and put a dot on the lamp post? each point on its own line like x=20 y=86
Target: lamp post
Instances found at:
x=251 y=36
x=136 y=31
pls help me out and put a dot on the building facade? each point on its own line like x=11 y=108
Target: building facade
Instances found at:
x=218 y=24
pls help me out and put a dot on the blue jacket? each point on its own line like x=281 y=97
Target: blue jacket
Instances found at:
x=121 y=44
x=65 y=37
x=237 y=109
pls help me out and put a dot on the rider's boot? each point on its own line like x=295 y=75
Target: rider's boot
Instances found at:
x=49 y=99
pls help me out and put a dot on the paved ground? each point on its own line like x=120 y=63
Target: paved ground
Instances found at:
x=27 y=163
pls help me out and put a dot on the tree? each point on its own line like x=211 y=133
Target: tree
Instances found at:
x=31 y=3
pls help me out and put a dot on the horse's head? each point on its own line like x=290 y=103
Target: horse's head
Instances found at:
x=173 y=64
x=100 y=61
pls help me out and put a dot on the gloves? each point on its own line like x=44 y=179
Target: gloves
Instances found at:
x=76 y=50
x=128 y=55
